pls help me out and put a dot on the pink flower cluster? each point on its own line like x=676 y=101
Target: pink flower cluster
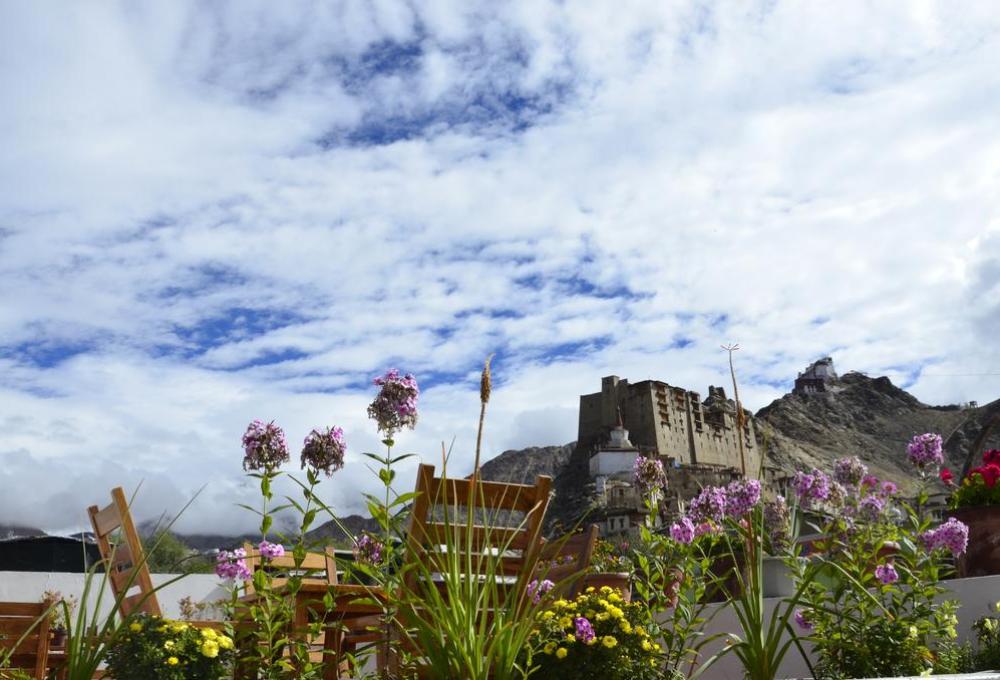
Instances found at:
x=232 y=565
x=811 y=488
x=648 y=474
x=871 y=508
x=924 y=450
x=271 y=550
x=368 y=550
x=324 y=451
x=849 y=471
x=395 y=406
x=886 y=573
x=538 y=588
x=709 y=504
x=264 y=446
x=741 y=497
x=953 y=535
x=682 y=531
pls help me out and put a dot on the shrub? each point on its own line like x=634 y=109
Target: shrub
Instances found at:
x=151 y=648
x=597 y=636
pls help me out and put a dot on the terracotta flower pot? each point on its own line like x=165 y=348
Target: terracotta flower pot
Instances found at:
x=982 y=557
x=616 y=581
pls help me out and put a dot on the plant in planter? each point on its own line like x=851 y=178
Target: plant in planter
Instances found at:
x=975 y=501
x=987 y=653
x=151 y=648
x=597 y=636
x=64 y=607
x=611 y=566
x=877 y=611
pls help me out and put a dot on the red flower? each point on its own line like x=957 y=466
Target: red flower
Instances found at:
x=946 y=476
x=990 y=473
x=991 y=456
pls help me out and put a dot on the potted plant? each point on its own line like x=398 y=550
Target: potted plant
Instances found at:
x=612 y=568
x=975 y=501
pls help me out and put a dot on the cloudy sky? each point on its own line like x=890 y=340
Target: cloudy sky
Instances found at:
x=217 y=211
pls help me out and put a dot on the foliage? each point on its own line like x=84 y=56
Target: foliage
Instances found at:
x=876 y=609
x=166 y=553
x=597 y=636
x=987 y=652
x=151 y=648
x=611 y=558
x=979 y=488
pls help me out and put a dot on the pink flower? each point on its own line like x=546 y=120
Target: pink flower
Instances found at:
x=683 y=531
x=264 y=447
x=324 y=451
x=231 y=565
x=886 y=573
x=395 y=406
x=925 y=450
x=802 y=619
x=953 y=535
x=271 y=550
x=538 y=588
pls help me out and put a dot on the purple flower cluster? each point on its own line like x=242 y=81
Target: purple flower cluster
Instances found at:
x=709 y=504
x=776 y=522
x=888 y=489
x=811 y=488
x=924 y=450
x=871 y=508
x=802 y=619
x=271 y=550
x=886 y=573
x=849 y=471
x=395 y=406
x=324 y=451
x=741 y=497
x=368 y=550
x=682 y=531
x=538 y=588
x=648 y=474
x=232 y=565
x=264 y=446
x=584 y=630
x=953 y=535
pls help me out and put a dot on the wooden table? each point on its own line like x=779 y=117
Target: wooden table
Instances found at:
x=347 y=613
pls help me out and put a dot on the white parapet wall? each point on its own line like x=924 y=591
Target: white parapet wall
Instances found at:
x=29 y=586
x=978 y=597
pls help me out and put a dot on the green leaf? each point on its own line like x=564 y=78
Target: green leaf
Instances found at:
x=386 y=475
x=265 y=524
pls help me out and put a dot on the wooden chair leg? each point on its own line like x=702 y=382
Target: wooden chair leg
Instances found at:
x=333 y=641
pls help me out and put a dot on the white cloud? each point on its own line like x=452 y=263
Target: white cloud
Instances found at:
x=190 y=190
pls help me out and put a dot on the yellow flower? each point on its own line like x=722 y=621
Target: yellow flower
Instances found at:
x=913 y=632
x=561 y=653
x=646 y=645
x=640 y=631
x=565 y=622
x=210 y=649
x=997 y=606
x=178 y=627
x=615 y=597
x=590 y=613
x=656 y=646
x=169 y=644
x=570 y=638
x=625 y=626
x=549 y=647
x=208 y=633
x=604 y=603
x=560 y=603
x=603 y=616
x=135 y=627
x=548 y=614
x=652 y=663
x=591 y=589
x=609 y=641
x=225 y=642
x=173 y=661
x=606 y=589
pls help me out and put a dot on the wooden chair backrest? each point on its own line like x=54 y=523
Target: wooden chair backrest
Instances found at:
x=516 y=541
x=564 y=560
x=33 y=652
x=316 y=567
x=125 y=561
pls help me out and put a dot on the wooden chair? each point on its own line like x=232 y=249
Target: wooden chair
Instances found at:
x=16 y=619
x=565 y=560
x=125 y=561
x=507 y=522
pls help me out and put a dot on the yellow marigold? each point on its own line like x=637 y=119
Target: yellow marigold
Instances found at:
x=549 y=647
x=656 y=646
x=548 y=614
x=570 y=638
x=591 y=589
x=208 y=633
x=210 y=649
x=225 y=642
x=560 y=603
x=561 y=653
x=178 y=627
x=646 y=645
x=606 y=589
x=616 y=612
x=603 y=616
x=604 y=603
x=173 y=661
x=625 y=626
x=169 y=644
x=609 y=641
x=590 y=613
x=640 y=631
x=615 y=597
x=135 y=627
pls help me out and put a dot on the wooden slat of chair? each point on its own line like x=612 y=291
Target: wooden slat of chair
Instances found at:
x=126 y=561
x=568 y=575
x=16 y=618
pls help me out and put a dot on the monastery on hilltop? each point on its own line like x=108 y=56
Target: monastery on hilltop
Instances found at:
x=697 y=441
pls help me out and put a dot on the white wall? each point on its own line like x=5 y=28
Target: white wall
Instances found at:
x=978 y=597
x=28 y=586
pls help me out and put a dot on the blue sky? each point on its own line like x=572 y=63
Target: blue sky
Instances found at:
x=214 y=212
